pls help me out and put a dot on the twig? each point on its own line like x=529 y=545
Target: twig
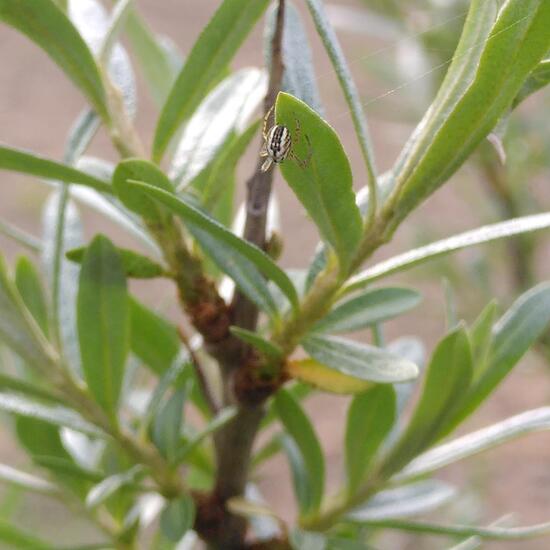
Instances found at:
x=260 y=183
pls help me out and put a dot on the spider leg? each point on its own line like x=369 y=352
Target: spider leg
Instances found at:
x=297 y=130
x=263 y=152
x=266 y=121
x=267 y=164
x=303 y=163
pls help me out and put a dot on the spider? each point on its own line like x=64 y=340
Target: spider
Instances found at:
x=277 y=145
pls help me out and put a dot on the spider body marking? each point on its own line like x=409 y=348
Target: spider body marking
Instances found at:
x=278 y=144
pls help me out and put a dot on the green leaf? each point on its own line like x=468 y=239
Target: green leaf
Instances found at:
x=413 y=499
x=154 y=340
x=353 y=99
x=361 y=361
x=371 y=416
x=167 y=424
x=481 y=337
x=460 y=531
x=538 y=79
x=173 y=376
x=46 y=25
x=447 y=381
x=225 y=238
x=103 y=322
x=270 y=350
x=217 y=190
x=298 y=76
x=106 y=488
x=27 y=389
x=51 y=414
x=136 y=266
x=513 y=335
x=19 y=331
x=241 y=270
x=117 y=22
x=30 y=288
x=216 y=46
x=368 y=309
x=17 y=538
x=220 y=420
x=473 y=97
x=152 y=53
x=476 y=442
x=80 y=136
x=324 y=183
x=98 y=29
x=24 y=162
x=22 y=238
x=224 y=111
x=177 y=518
x=299 y=428
x=62 y=229
x=25 y=481
x=141 y=170
x=41 y=439
x=325 y=378
x=434 y=250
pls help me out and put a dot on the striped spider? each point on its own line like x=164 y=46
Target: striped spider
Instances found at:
x=277 y=145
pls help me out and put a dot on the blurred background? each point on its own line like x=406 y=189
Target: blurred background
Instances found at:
x=398 y=51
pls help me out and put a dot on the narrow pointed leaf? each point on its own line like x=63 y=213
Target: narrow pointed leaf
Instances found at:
x=62 y=230
x=447 y=381
x=216 y=46
x=303 y=435
x=18 y=330
x=410 y=500
x=270 y=350
x=25 y=162
x=361 y=361
x=105 y=489
x=17 y=538
x=9 y=384
x=31 y=290
x=476 y=442
x=481 y=337
x=351 y=94
x=46 y=25
x=177 y=518
x=460 y=531
x=514 y=333
x=323 y=184
x=324 y=378
x=298 y=76
x=192 y=215
x=166 y=429
x=468 y=108
x=51 y=414
x=538 y=79
x=135 y=265
x=159 y=65
x=25 y=481
x=434 y=250
x=153 y=339
x=371 y=416
x=141 y=170
x=225 y=110
x=98 y=29
x=368 y=309
x=103 y=322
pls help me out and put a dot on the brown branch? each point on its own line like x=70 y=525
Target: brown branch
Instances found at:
x=235 y=441
x=260 y=183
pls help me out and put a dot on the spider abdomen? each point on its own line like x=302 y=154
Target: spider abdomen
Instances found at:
x=278 y=143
